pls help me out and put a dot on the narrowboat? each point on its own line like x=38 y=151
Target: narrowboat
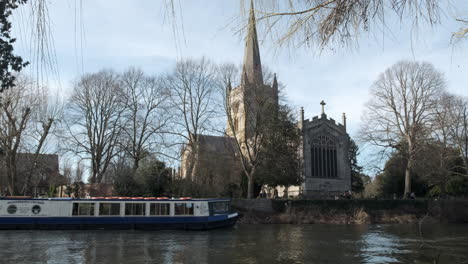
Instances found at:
x=115 y=213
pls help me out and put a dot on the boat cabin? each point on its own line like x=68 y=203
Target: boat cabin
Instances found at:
x=105 y=207
x=115 y=213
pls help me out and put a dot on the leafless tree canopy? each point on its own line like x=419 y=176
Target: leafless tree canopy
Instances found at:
x=133 y=115
x=72 y=172
x=193 y=87
x=401 y=110
x=450 y=124
x=147 y=114
x=194 y=104
x=325 y=22
x=94 y=121
x=27 y=119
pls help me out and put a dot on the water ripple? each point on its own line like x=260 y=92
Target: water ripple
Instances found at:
x=246 y=244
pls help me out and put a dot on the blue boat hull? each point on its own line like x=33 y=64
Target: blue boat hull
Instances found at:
x=146 y=223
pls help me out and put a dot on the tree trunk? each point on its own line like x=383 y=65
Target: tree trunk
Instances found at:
x=11 y=174
x=408 y=177
x=11 y=188
x=94 y=177
x=36 y=154
x=136 y=164
x=250 y=187
x=99 y=177
x=26 y=187
x=465 y=161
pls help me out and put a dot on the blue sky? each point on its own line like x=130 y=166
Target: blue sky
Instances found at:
x=121 y=33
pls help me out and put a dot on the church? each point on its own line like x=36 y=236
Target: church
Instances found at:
x=214 y=160
x=324 y=154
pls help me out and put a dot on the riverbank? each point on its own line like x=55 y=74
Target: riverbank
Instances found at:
x=354 y=211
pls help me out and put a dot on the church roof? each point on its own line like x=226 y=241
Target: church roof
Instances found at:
x=325 y=123
x=218 y=144
x=252 y=69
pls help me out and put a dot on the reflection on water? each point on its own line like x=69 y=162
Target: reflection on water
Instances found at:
x=244 y=244
x=381 y=247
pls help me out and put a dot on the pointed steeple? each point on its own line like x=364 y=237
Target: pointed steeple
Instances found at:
x=244 y=79
x=275 y=82
x=252 y=64
x=229 y=87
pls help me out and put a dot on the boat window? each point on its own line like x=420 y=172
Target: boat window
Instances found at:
x=83 y=209
x=12 y=209
x=159 y=209
x=109 y=209
x=134 y=209
x=36 y=209
x=219 y=207
x=183 y=209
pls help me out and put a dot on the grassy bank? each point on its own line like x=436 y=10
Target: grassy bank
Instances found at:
x=350 y=211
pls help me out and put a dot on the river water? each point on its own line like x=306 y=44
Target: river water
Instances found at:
x=243 y=244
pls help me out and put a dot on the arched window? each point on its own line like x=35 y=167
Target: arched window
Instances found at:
x=236 y=124
x=235 y=108
x=324 y=157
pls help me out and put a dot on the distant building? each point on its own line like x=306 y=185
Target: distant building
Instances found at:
x=42 y=172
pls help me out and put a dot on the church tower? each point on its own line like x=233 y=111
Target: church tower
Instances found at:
x=252 y=101
x=324 y=154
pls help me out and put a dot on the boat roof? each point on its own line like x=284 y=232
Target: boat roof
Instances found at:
x=144 y=199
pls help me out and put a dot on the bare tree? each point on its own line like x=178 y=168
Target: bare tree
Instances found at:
x=249 y=113
x=336 y=21
x=94 y=121
x=27 y=119
x=401 y=109
x=192 y=86
x=79 y=172
x=46 y=118
x=147 y=114
x=73 y=176
x=72 y=173
x=15 y=116
x=459 y=131
x=451 y=124
x=439 y=161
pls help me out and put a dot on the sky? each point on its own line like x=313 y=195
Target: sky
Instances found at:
x=90 y=35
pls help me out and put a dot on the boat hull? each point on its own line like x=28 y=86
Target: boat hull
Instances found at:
x=143 y=223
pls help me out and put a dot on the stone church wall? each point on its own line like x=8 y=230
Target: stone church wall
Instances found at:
x=214 y=166
x=322 y=185
x=218 y=172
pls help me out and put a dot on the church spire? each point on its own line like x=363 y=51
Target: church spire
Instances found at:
x=252 y=65
x=275 y=82
x=229 y=87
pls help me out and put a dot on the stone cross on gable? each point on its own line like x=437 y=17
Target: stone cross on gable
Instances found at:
x=323 y=107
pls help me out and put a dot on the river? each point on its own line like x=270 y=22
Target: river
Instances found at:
x=243 y=244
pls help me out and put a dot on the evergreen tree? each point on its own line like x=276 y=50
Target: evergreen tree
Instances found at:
x=358 y=179
x=153 y=177
x=9 y=62
x=280 y=165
